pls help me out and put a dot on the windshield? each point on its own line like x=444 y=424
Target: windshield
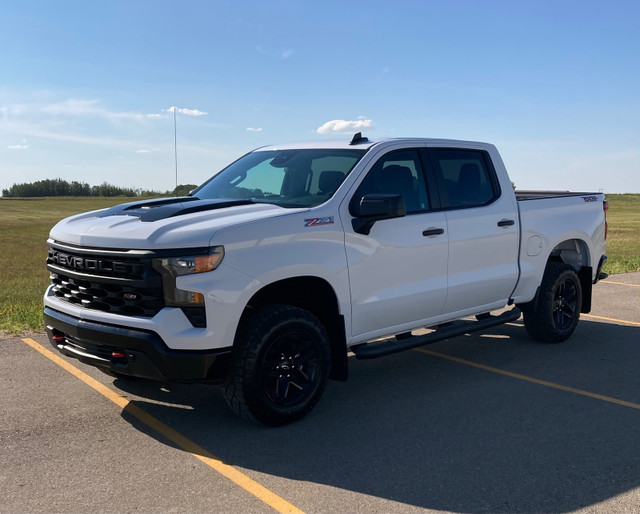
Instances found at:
x=288 y=178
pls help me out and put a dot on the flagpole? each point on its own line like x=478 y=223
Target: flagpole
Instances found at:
x=175 y=142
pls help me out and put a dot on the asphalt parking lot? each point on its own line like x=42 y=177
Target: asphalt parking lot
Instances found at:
x=489 y=422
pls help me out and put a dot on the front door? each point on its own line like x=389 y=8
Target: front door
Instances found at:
x=398 y=272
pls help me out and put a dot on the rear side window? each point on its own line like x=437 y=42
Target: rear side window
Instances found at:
x=466 y=178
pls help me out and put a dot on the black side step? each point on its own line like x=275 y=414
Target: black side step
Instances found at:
x=391 y=346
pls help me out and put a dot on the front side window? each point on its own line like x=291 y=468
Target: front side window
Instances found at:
x=397 y=173
x=288 y=178
x=465 y=178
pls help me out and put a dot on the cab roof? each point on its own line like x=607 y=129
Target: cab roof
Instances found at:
x=365 y=143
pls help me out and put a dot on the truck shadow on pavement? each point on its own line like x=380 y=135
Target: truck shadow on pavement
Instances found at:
x=421 y=430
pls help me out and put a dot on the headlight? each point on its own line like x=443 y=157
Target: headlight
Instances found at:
x=172 y=267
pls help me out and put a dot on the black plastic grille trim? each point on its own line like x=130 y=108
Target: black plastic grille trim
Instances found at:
x=99 y=350
x=107 y=281
x=119 y=281
x=118 y=298
x=197 y=316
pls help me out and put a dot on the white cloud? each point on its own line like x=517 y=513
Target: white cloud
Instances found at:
x=254 y=129
x=17 y=147
x=75 y=107
x=143 y=150
x=341 y=126
x=188 y=112
x=79 y=108
x=72 y=108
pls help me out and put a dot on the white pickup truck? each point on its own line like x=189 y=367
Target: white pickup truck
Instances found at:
x=267 y=275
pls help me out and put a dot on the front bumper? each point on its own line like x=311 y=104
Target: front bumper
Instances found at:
x=133 y=352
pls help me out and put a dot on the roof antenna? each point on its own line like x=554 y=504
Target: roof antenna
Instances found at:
x=357 y=138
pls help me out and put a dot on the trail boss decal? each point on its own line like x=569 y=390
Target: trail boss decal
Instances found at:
x=590 y=198
x=316 y=222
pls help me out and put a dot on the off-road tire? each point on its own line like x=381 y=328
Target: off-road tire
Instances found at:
x=280 y=365
x=555 y=316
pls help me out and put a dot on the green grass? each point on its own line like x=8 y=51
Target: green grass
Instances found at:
x=623 y=241
x=25 y=225
x=24 y=229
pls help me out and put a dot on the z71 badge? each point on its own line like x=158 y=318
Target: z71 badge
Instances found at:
x=590 y=198
x=316 y=222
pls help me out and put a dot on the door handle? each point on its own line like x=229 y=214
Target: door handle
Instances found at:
x=506 y=223
x=433 y=232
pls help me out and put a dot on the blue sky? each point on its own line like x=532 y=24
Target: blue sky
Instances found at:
x=86 y=88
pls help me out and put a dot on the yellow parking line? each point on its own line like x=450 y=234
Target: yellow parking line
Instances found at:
x=618 y=283
x=632 y=323
x=237 y=477
x=530 y=379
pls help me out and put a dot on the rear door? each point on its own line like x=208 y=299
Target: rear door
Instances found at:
x=482 y=229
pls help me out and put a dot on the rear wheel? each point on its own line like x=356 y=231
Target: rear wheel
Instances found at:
x=556 y=315
x=280 y=367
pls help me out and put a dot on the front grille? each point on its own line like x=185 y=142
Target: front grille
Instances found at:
x=108 y=297
x=116 y=282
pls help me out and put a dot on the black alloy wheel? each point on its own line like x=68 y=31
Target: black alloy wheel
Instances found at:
x=281 y=365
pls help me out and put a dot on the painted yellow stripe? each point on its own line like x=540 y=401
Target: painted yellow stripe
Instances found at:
x=237 y=477
x=618 y=283
x=530 y=379
x=632 y=323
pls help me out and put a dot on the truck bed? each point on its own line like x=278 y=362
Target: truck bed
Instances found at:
x=539 y=195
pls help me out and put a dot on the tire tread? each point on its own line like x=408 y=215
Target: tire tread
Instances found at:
x=255 y=327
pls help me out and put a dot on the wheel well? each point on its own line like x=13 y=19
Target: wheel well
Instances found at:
x=575 y=253
x=315 y=295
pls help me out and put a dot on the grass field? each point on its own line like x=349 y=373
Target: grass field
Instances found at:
x=623 y=241
x=25 y=225
x=24 y=229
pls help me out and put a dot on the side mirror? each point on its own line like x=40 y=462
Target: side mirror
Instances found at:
x=372 y=208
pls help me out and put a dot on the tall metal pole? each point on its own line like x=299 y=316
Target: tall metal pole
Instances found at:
x=175 y=142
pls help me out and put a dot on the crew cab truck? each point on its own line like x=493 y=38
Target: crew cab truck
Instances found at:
x=268 y=274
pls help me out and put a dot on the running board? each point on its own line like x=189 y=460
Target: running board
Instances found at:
x=391 y=346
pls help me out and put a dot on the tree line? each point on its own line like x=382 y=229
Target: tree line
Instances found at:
x=59 y=187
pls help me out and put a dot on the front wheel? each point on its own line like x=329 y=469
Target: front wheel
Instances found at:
x=280 y=365
x=556 y=315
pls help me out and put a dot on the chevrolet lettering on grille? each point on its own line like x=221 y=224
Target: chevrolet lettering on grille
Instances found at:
x=79 y=263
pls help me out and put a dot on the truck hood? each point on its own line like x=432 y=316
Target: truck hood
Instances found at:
x=185 y=222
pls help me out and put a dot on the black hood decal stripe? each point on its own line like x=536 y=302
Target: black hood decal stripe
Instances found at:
x=155 y=210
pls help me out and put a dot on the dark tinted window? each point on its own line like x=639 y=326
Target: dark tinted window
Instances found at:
x=466 y=180
x=398 y=173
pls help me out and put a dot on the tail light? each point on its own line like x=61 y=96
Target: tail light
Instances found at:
x=605 y=208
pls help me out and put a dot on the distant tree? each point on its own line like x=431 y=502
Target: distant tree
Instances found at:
x=59 y=187
x=183 y=190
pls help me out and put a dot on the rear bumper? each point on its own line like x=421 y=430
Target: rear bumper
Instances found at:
x=132 y=352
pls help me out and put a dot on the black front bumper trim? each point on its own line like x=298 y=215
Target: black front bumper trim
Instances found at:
x=133 y=352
